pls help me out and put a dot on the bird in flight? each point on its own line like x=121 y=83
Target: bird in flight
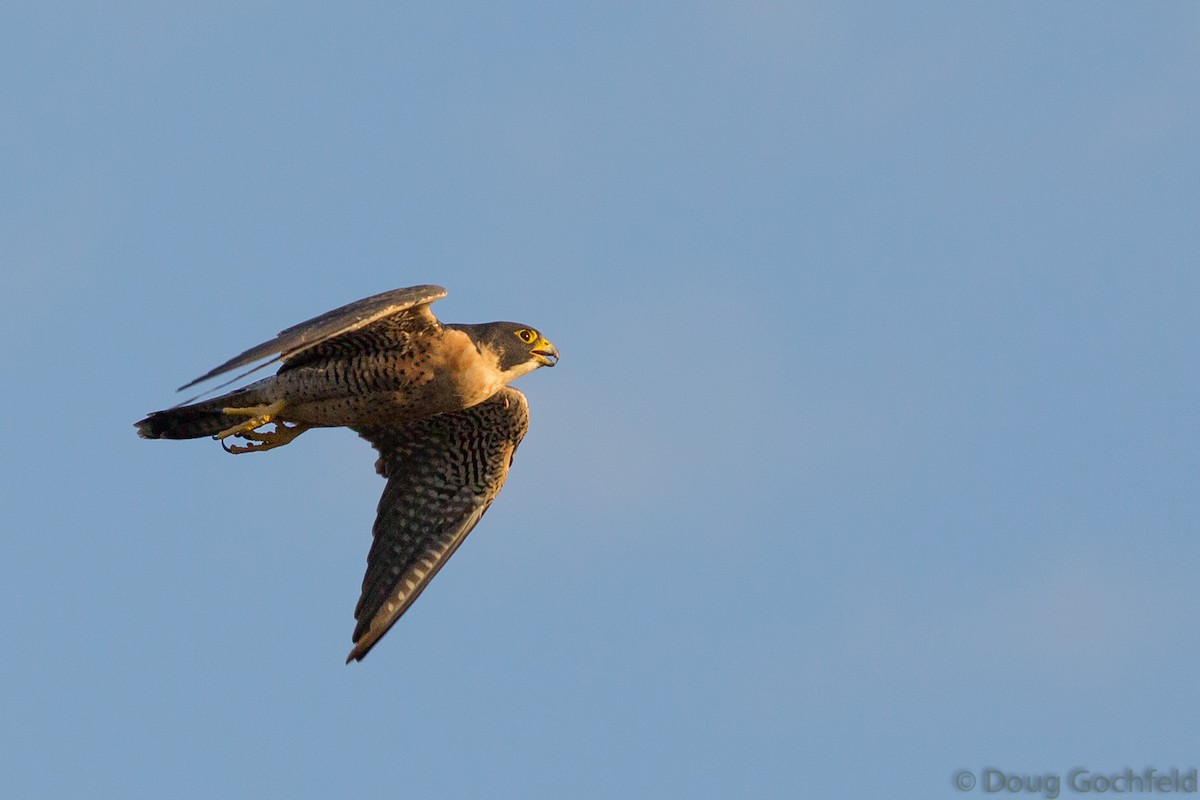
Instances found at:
x=432 y=398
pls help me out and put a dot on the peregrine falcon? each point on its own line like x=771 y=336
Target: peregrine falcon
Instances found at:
x=432 y=398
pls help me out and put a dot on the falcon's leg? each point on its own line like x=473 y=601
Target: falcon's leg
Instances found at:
x=259 y=416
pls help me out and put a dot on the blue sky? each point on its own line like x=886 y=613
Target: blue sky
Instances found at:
x=872 y=454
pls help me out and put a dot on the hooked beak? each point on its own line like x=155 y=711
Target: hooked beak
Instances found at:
x=545 y=353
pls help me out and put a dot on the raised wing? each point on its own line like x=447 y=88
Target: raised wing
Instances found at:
x=442 y=474
x=297 y=339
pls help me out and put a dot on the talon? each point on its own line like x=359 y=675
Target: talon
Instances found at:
x=236 y=449
x=267 y=440
x=259 y=416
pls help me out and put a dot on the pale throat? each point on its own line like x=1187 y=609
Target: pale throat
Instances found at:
x=524 y=368
x=484 y=378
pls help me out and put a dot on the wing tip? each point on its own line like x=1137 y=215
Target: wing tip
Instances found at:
x=360 y=651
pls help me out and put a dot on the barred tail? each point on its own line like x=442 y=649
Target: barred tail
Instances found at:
x=197 y=420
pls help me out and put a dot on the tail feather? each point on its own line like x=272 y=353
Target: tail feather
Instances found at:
x=197 y=420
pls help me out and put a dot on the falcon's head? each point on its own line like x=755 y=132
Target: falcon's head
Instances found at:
x=518 y=348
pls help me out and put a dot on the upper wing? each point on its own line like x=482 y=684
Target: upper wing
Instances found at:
x=442 y=474
x=349 y=318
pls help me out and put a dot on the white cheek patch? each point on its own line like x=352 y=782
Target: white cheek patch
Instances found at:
x=524 y=368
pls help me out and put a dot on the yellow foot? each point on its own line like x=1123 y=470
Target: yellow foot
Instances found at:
x=267 y=440
x=259 y=416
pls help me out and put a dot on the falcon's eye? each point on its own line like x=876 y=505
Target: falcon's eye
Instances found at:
x=525 y=335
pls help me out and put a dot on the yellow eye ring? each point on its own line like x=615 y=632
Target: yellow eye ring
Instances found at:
x=525 y=335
